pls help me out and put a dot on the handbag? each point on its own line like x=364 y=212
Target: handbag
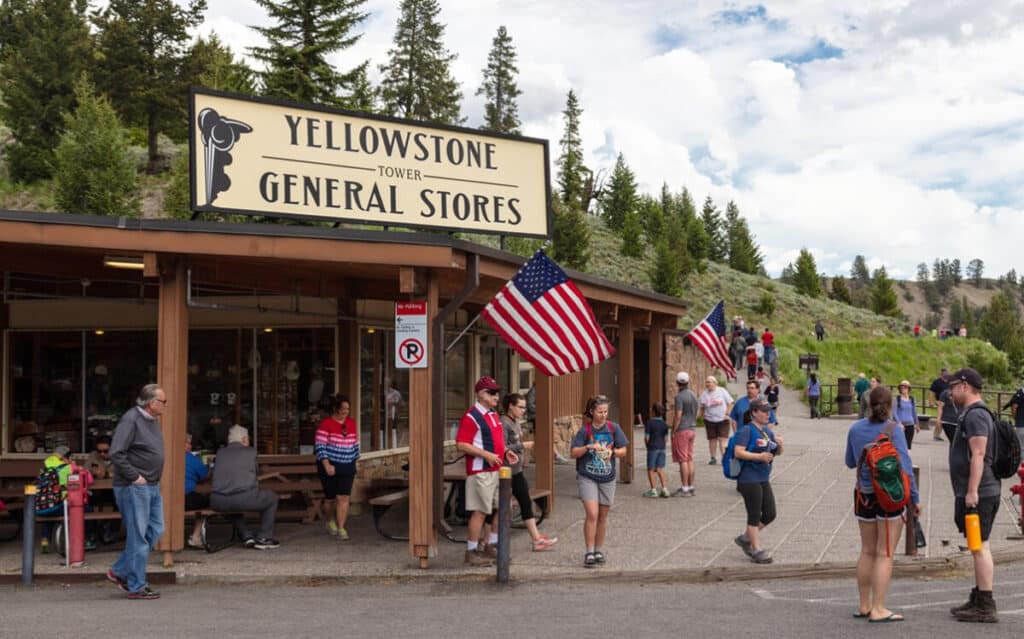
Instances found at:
x=919 y=534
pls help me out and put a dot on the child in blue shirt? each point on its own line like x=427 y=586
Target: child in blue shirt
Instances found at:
x=655 y=434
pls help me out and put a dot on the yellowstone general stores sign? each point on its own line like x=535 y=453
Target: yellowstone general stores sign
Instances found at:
x=261 y=157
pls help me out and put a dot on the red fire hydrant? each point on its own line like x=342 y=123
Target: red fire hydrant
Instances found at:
x=1019 y=491
x=75 y=535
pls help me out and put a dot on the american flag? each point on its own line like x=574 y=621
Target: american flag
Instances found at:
x=708 y=336
x=546 y=319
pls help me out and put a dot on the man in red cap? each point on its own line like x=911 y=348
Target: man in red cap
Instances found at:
x=481 y=438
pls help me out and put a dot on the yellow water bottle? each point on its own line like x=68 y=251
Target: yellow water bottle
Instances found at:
x=972 y=528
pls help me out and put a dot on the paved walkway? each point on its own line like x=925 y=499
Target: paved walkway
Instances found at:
x=662 y=538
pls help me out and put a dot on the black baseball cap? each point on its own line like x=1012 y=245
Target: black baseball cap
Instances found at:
x=760 y=404
x=969 y=376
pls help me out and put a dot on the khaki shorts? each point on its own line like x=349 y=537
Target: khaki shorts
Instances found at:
x=482 y=492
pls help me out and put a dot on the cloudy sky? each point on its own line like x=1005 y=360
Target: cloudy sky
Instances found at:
x=888 y=128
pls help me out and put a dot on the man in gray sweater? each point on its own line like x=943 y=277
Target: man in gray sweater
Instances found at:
x=235 y=488
x=137 y=451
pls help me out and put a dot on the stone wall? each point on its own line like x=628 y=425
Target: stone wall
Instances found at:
x=683 y=357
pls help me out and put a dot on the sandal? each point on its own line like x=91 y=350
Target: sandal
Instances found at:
x=892 y=616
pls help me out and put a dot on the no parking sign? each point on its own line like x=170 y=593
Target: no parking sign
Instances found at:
x=410 y=334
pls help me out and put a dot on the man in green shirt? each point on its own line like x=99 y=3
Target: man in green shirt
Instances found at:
x=860 y=387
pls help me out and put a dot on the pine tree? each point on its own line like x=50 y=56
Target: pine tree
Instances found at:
x=92 y=171
x=1000 y=321
x=570 y=163
x=718 y=251
x=143 y=48
x=788 y=274
x=922 y=273
x=211 y=64
x=570 y=236
x=12 y=27
x=697 y=240
x=619 y=198
x=859 y=274
x=975 y=269
x=364 y=96
x=632 y=235
x=805 y=275
x=501 y=111
x=687 y=209
x=652 y=218
x=955 y=273
x=840 y=291
x=304 y=33
x=49 y=47
x=666 y=271
x=883 y=295
x=744 y=255
x=418 y=81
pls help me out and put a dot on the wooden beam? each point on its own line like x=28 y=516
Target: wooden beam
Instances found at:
x=544 y=438
x=149 y=265
x=626 y=408
x=346 y=354
x=406 y=279
x=656 y=362
x=172 y=376
x=423 y=473
x=5 y=421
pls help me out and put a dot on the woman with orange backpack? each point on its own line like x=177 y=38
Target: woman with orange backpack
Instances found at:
x=877 y=447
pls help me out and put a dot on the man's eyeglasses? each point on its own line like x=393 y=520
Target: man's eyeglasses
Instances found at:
x=103 y=451
x=162 y=401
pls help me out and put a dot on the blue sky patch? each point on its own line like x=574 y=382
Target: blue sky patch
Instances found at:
x=820 y=50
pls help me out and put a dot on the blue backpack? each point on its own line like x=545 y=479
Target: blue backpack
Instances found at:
x=731 y=466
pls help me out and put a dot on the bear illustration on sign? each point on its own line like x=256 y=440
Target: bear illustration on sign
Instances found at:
x=219 y=137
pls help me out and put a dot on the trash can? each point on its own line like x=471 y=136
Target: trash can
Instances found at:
x=844 y=396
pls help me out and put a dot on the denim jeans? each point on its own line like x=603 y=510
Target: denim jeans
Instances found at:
x=142 y=511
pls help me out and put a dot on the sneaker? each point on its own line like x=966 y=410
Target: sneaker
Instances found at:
x=599 y=556
x=44 y=546
x=343 y=534
x=651 y=492
x=744 y=543
x=680 y=492
x=589 y=561
x=89 y=544
x=761 y=557
x=476 y=560
x=145 y=593
x=265 y=543
x=332 y=528
x=249 y=542
x=712 y=462
x=665 y=493
x=544 y=543
x=117 y=581
x=692 y=492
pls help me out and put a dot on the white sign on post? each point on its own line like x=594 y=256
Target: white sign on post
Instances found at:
x=410 y=334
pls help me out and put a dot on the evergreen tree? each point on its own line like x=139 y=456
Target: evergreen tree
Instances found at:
x=570 y=163
x=975 y=269
x=954 y=272
x=744 y=255
x=12 y=26
x=859 y=274
x=687 y=209
x=1000 y=321
x=697 y=240
x=619 y=198
x=304 y=33
x=805 y=275
x=883 y=295
x=942 y=273
x=364 y=96
x=143 y=49
x=788 y=274
x=840 y=291
x=570 y=236
x=501 y=111
x=212 y=64
x=652 y=218
x=667 y=269
x=922 y=273
x=92 y=171
x=632 y=235
x=715 y=229
x=49 y=47
x=418 y=81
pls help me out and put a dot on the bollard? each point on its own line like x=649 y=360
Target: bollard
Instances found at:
x=504 y=522
x=28 y=532
x=910 y=547
x=74 y=530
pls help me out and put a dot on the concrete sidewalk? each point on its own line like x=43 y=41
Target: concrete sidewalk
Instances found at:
x=687 y=539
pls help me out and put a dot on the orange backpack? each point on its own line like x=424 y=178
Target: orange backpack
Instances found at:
x=891 y=484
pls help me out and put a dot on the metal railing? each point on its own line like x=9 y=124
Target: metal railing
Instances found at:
x=995 y=399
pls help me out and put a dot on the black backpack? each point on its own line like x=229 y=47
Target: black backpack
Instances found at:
x=1006 y=456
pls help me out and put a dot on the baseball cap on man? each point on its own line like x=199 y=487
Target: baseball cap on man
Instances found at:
x=486 y=383
x=970 y=376
x=760 y=404
x=682 y=377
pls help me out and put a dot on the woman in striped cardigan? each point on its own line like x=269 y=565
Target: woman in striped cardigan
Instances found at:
x=337 y=451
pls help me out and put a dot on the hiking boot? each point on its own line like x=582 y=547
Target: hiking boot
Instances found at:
x=543 y=543
x=761 y=557
x=665 y=493
x=651 y=492
x=145 y=593
x=966 y=606
x=589 y=561
x=744 y=543
x=117 y=581
x=265 y=543
x=476 y=560
x=983 y=611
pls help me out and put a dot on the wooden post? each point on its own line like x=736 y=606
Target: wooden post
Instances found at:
x=172 y=376
x=424 y=473
x=656 y=361
x=346 y=355
x=544 y=438
x=5 y=419
x=626 y=408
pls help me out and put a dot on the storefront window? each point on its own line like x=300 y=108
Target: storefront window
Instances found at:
x=46 y=390
x=383 y=392
x=117 y=364
x=219 y=386
x=456 y=379
x=496 y=361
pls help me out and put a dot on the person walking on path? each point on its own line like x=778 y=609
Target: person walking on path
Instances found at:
x=861 y=386
x=235 y=488
x=513 y=410
x=740 y=412
x=715 y=404
x=756 y=446
x=684 y=432
x=813 y=390
x=949 y=416
x=138 y=453
x=751 y=362
x=768 y=340
x=596 y=446
x=819 y=331
x=879 y=530
x=939 y=385
x=904 y=410
x=738 y=350
x=655 y=434
x=771 y=394
x=874 y=382
x=481 y=438
x=975 y=487
x=336 y=446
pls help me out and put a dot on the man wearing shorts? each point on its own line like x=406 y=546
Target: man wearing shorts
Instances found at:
x=684 y=431
x=715 y=404
x=975 y=486
x=481 y=438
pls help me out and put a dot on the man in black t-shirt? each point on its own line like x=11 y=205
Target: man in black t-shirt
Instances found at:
x=940 y=385
x=975 y=486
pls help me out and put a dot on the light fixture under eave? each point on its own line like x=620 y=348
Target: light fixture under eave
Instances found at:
x=371 y=331
x=123 y=261
x=268 y=330
x=99 y=331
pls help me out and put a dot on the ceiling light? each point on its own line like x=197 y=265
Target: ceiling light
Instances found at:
x=268 y=330
x=99 y=331
x=123 y=261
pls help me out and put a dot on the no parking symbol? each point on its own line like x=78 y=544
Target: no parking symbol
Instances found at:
x=411 y=335
x=411 y=351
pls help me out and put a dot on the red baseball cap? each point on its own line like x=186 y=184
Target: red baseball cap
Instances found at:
x=486 y=383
